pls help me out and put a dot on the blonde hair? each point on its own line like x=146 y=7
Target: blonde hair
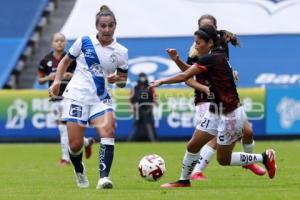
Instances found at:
x=193 y=52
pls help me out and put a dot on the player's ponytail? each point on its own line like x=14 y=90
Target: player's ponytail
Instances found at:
x=105 y=11
x=228 y=37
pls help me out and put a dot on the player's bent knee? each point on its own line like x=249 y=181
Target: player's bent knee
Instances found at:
x=192 y=148
x=75 y=146
x=223 y=161
x=109 y=132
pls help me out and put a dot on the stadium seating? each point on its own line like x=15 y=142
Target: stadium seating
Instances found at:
x=18 y=22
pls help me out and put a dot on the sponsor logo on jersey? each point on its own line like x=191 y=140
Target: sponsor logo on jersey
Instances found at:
x=89 y=53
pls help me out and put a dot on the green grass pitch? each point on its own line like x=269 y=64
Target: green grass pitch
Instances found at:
x=30 y=171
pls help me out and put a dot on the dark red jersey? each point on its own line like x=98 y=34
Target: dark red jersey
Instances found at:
x=222 y=85
x=49 y=65
x=200 y=78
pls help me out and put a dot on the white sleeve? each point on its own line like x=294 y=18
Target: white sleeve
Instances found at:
x=75 y=49
x=123 y=61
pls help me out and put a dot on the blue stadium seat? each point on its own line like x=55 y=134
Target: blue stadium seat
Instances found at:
x=18 y=19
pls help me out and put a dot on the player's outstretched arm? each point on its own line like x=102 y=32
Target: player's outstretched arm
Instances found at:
x=175 y=57
x=197 y=86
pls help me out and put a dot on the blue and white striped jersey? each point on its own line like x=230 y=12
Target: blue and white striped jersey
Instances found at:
x=94 y=63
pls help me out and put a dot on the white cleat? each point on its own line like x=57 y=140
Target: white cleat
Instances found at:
x=81 y=179
x=104 y=183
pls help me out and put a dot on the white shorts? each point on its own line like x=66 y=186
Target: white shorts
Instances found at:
x=200 y=111
x=230 y=127
x=81 y=113
x=207 y=121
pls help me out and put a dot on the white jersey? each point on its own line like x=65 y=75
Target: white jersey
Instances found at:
x=94 y=63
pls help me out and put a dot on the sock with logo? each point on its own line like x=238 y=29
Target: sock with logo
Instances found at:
x=188 y=164
x=242 y=159
x=206 y=154
x=106 y=156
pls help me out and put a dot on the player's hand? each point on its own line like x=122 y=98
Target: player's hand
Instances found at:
x=112 y=78
x=156 y=83
x=173 y=54
x=51 y=76
x=206 y=90
x=53 y=90
x=67 y=76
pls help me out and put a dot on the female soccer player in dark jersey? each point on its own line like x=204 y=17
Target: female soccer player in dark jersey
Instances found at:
x=226 y=116
x=202 y=100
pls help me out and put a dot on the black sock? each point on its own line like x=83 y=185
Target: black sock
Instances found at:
x=77 y=162
x=265 y=158
x=106 y=156
x=184 y=181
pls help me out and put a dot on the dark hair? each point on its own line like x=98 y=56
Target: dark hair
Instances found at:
x=206 y=33
x=105 y=11
x=208 y=16
x=226 y=37
x=143 y=79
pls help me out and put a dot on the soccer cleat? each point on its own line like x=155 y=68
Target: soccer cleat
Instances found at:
x=88 y=148
x=256 y=169
x=269 y=162
x=104 y=183
x=81 y=179
x=63 y=162
x=179 y=183
x=198 y=176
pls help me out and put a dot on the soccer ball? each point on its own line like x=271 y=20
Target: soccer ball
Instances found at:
x=152 y=167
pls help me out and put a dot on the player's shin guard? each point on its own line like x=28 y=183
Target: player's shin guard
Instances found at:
x=76 y=159
x=242 y=159
x=188 y=164
x=64 y=141
x=106 y=156
x=206 y=154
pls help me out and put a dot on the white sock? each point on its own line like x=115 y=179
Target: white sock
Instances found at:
x=188 y=164
x=85 y=141
x=248 y=148
x=242 y=159
x=206 y=154
x=64 y=141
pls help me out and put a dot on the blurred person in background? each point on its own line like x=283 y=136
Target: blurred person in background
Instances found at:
x=46 y=73
x=100 y=60
x=142 y=102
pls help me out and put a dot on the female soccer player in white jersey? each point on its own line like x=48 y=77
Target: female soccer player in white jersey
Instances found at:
x=100 y=59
